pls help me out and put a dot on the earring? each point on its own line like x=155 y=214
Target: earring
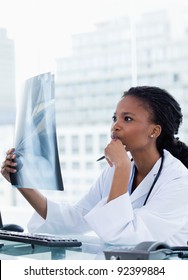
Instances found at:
x=152 y=136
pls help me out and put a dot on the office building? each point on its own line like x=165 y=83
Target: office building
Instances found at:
x=7 y=78
x=7 y=107
x=103 y=64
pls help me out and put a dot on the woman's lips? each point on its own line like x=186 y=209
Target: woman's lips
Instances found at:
x=114 y=137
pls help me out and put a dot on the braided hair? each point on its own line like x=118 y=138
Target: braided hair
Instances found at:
x=166 y=112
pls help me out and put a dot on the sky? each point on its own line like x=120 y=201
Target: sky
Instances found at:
x=42 y=28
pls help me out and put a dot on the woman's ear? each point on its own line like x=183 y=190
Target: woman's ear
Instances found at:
x=156 y=131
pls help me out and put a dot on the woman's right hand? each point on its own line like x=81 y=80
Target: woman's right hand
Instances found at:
x=33 y=196
x=8 y=165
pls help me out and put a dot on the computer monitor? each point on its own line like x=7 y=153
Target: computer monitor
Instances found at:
x=36 y=148
x=1 y=222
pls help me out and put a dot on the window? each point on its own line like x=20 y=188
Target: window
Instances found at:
x=89 y=144
x=89 y=165
x=75 y=144
x=103 y=138
x=75 y=165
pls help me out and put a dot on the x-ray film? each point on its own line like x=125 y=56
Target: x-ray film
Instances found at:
x=36 y=147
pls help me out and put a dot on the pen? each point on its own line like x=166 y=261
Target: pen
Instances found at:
x=101 y=158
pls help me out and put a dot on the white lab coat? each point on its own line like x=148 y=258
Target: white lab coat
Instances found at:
x=125 y=220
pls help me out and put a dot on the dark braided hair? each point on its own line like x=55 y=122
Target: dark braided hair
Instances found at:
x=166 y=112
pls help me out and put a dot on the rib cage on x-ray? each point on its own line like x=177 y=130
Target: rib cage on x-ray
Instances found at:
x=35 y=136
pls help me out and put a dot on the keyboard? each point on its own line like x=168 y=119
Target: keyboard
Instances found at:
x=39 y=239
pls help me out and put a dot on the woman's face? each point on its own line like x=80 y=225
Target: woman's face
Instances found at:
x=132 y=124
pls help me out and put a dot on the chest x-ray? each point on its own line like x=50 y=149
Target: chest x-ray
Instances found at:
x=35 y=137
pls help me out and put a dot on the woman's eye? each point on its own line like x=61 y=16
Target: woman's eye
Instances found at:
x=114 y=118
x=128 y=119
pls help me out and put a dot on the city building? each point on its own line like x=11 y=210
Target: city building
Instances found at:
x=7 y=107
x=7 y=78
x=104 y=63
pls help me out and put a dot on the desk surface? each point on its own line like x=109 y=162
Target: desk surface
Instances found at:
x=92 y=249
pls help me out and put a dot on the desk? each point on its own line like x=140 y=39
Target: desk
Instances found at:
x=91 y=249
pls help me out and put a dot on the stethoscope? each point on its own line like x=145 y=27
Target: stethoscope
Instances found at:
x=155 y=180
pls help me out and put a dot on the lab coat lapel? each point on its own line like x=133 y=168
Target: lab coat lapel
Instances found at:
x=140 y=193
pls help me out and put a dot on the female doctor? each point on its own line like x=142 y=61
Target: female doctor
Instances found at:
x=142 y=197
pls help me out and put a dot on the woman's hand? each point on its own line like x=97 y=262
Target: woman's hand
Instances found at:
x=116 y=154
x=8 y=165
x=34 y=197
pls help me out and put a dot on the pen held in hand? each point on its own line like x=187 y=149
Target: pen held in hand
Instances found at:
x=101 y=158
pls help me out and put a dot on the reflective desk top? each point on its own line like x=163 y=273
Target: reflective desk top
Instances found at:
x=92 y=249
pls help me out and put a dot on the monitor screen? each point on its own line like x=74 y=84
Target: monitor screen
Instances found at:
x=1 y=222
x=35 y=141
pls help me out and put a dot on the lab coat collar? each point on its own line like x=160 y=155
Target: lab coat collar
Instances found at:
x=144 y=187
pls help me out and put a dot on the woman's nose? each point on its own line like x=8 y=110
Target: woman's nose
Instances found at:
x=116 y=125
